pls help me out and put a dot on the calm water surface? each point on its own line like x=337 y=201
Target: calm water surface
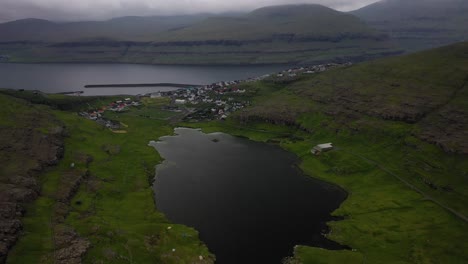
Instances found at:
x=249 y=202
x=55 y=78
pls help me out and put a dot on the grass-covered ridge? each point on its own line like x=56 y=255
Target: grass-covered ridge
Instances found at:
x=407 y=191
x=101 y=208
x=407 y=197
x=413 y=89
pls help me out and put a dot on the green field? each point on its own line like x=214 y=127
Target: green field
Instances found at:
x=407 y=197
x=113 y=208
x=405 y=176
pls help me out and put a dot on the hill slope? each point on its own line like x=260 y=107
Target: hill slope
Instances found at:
x=291 y=22
x=118 y=29
x=399 y=126
x=427 y=89
x=54 y=210
x=419 y=24
x=280 y=34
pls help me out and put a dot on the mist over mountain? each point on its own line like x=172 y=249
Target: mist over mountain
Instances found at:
x=294 y=22
x=419 y=24
x=85 y=10
x=277 y=34
x=123 y=28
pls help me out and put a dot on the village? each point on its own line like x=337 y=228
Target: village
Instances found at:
x=216 y=101
x=117 y=106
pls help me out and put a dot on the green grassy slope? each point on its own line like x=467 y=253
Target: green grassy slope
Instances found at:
x=408 y=194
x=102 y=208
x=411 y=89
x=31 y=140
x=407 y=198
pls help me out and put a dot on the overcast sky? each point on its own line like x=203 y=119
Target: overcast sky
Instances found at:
x=61 y=10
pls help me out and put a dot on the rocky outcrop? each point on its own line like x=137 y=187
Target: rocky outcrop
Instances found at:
x=25 y=152
x=447 y=129
x=69 y=247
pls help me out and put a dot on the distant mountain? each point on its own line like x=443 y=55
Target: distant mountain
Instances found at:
x=278 y=34
x=118 y=29
x=419 y=24
x=294 y=22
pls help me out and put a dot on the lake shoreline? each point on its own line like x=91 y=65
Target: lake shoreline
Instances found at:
x=324 y=227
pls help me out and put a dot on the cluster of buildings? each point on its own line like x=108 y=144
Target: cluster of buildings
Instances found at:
x=116 y=106
x=220 y=99
x=216 y=101
x=294 y=72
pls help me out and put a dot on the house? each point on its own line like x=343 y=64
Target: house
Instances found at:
x=317 y=150
x=156 y=95
x=180 y=101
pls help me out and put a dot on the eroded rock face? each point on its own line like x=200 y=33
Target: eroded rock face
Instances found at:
x=25 y=152
x=448 y=129
x=69 y=246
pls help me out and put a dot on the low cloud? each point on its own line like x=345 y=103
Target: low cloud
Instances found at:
x=64 y=10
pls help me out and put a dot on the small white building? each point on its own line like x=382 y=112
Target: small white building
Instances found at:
x=155 y=95
x=180 y=101
x=317 y=150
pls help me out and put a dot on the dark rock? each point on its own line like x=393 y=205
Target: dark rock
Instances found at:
x=70 y=246
x=27 y=152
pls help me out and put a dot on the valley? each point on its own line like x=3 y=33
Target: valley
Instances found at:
x=205 y=132
x=401 y=161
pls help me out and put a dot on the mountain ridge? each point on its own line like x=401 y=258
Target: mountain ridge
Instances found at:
x=302 y=33
x=419 y=24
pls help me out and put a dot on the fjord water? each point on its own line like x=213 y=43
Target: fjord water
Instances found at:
x=247 y=200
x=63 y=77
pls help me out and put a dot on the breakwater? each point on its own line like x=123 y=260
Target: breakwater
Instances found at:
x=176 y=85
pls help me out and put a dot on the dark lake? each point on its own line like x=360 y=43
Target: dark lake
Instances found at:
x=247 y=199
x=63 y=77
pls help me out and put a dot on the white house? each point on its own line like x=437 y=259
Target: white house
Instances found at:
x=180 y=101
x=156 y=95
x=317 y=150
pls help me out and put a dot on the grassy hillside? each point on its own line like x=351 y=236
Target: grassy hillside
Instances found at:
x=399 y=127
x=280 y=34
x=101 y=208
x=118 y=29
x=412 y=89
x=407 y=192
x=31 y=140
x=419 y=24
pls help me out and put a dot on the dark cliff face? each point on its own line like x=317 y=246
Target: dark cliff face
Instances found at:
x=25 y=152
